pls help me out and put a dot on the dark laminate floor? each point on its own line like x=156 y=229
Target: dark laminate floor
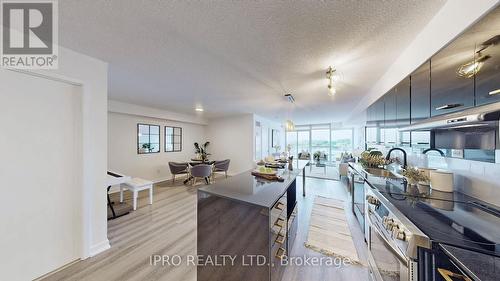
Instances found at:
x=168 y=227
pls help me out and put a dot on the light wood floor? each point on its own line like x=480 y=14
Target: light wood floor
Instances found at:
x=168 y=227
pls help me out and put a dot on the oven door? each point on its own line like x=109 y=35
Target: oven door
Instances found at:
x=385 y=261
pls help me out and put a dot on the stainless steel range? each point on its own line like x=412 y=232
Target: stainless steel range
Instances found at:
x=392 y=241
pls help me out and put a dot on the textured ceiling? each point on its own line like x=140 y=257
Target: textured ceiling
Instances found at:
x=241 y=56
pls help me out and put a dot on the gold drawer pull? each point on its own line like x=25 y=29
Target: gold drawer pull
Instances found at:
x=447 y=275
x=279 y=222
x=280 y=254
x=279 y=206
x=280 y=239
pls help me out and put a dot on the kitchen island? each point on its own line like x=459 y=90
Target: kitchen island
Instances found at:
x=246 y=226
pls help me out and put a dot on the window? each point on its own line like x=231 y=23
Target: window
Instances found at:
x=320 y=142
x=148 y=139
x=342 y=140
x=173 y=139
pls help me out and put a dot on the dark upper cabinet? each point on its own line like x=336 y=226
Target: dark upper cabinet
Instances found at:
x=390 y=109
x=452 y=82
x=421 y=93
x=379 y=112
x=370 y=115
x=487 y=41
x=402 y=93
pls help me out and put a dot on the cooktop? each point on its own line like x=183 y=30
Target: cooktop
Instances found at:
x=450 y=218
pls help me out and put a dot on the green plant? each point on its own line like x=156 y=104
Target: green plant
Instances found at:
x=317 y=155
x=147 y=146
x=202 y=150
x=414 y=175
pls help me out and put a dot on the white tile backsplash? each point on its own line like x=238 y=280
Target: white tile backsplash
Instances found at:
x=477 y=179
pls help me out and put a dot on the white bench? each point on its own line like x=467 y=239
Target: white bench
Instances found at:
x=135 y=185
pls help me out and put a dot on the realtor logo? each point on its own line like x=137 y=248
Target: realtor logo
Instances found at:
x=29 y=34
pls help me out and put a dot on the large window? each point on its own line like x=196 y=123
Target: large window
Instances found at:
x=342 y=141
x=291 y=139
x=148 y=139
x=320 y=142
x=173 y=139
x=314 y=138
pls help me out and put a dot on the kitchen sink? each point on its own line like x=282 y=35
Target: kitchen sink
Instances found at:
x=381 y=173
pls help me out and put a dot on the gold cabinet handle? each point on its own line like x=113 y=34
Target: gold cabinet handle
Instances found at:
x=280 y=239
x=280 y=254
x=448 y=274
x=279 y=222
x=279 y=206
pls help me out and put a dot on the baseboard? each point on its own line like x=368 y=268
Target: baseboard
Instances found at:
x=99 y=248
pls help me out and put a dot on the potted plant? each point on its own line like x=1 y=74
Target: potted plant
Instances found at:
x=414 y=176
x=146 y=147
x=201 y=150
x=372 y=159
x=277 y=148
x=317 y=156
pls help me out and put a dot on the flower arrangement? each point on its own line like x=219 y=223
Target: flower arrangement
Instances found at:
x=414 y=175
x=372 y=159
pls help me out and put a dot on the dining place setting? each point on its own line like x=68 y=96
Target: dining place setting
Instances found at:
x=199 y=167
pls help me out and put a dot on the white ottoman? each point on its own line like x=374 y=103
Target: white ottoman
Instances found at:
x=135 y=185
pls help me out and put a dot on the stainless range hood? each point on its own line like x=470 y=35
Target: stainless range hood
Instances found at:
x=472 y=117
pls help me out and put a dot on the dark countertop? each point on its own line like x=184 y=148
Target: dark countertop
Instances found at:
x=468 y=233
x=477 y=265
x=245 y=187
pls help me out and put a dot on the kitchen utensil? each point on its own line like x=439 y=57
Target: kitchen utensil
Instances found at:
x=441 y=180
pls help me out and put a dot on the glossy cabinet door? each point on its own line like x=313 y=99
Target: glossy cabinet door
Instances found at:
x=403 y=102
x=421 y=93
x=379 y=112
x=390 y=108
x=487 y=40
x=452 y=90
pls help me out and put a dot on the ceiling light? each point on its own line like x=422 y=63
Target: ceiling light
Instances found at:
x=330 y=75
x=470 y=69
x=289 y=125
x=199 y=109
x=331 y=90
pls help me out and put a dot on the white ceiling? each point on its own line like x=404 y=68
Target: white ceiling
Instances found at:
x=235 y=57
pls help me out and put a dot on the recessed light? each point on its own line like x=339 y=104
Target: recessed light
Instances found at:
x=199 y=109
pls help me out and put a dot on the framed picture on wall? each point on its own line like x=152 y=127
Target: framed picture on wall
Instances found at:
x=275 y=138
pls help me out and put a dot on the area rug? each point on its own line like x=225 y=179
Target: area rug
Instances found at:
x=329 y=232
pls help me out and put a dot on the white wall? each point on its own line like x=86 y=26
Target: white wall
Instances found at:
x=91 y=76
x=266 y=126
x=477 y=179
x=122 y=146
x=232 y=138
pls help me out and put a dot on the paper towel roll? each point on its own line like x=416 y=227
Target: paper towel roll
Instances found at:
x=442 y=180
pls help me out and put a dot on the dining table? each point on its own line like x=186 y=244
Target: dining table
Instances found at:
x=195 y=162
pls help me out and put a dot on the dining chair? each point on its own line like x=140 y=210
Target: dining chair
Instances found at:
x=203 y=171
x=177 y=169
x=221 y=166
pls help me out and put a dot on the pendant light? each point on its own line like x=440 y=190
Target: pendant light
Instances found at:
x=289 y=125
x=330 y=75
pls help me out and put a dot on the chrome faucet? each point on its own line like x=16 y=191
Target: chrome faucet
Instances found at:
x=433 y=149
x=400 y=149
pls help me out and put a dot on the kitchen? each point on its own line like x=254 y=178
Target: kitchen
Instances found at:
x=443 y=118
x=253 y=140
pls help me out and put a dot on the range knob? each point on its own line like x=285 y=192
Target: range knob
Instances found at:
x=400 y=235
x=372 y=200
x=388 y=223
